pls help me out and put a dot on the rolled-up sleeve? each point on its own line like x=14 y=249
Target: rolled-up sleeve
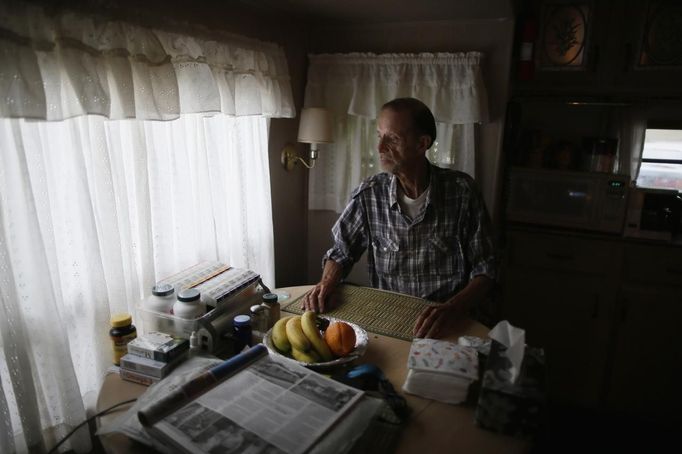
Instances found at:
x=480 y=249
x=350 y=236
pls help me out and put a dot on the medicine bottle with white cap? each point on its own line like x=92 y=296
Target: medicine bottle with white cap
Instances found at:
x=161 y=299
x=189 y=305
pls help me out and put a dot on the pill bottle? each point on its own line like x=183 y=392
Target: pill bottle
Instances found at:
x=122 y=331
x=241 y=326
x=270 y=300
x=161 y=299
x=189 y=305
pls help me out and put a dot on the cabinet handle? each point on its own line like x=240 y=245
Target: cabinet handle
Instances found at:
x=555 y=256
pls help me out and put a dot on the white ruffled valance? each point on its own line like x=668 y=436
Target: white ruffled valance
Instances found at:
x=59 y=66
x=355 y=86
x=360 y=83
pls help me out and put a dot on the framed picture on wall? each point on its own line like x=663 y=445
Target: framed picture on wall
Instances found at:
x=564 y=34
x=661 y=39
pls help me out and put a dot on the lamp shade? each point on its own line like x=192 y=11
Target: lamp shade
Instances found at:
x=315 y=126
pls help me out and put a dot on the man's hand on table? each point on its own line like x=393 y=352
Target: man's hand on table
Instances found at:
x=321 y=298
x=436 y=321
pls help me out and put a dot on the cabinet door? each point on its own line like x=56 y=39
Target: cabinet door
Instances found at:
x=647 y=51
x=567 y=30
x=648 y=354
x=566 y=314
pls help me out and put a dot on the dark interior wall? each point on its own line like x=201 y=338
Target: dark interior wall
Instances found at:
x=210 y=18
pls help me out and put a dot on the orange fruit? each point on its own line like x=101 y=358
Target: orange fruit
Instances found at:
x=340 y=338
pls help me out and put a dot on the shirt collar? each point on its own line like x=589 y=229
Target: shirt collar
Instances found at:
x=432 y=188
x=393 y=192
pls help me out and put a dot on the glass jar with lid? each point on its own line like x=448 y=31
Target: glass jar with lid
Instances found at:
x=271 y=301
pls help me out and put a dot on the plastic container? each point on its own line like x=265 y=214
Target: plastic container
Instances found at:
x=122 y=331
x=189 y=305
x=161 y=299
x=241 y=325
x=180 y=327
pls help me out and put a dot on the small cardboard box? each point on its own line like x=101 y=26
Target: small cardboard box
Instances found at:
x=512 y=408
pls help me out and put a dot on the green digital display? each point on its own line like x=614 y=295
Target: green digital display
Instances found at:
x=616 y=184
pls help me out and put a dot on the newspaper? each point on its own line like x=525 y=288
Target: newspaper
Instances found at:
x=271 y=406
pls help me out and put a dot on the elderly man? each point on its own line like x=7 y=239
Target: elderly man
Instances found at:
x=426 y=227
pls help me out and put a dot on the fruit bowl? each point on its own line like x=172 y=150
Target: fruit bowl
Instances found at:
x=361 y=340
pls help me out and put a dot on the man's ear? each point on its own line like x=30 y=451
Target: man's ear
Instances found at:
x=423 y=143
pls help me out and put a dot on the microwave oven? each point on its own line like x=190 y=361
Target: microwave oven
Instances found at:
x=579 y=200
x=653 y=213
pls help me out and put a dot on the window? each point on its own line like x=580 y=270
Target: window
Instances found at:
x=661 y=159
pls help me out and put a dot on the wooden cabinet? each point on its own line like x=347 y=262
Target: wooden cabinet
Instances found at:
x=560 y=290
x=647 y=47
x=607 y=312
x=647 y=354
x=630 y=47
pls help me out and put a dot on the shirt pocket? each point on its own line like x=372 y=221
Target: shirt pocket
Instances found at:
x=388 y=256
x=444 y=256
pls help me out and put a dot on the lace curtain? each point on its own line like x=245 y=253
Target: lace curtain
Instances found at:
x=59 y=66
x=355 y=86
x=95 y=208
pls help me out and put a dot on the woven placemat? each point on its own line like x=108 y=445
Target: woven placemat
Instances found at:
x=387 y=313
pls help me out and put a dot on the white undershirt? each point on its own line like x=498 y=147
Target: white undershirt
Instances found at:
x=411 y=207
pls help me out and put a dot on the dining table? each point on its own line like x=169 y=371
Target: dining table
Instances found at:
x=433 y=427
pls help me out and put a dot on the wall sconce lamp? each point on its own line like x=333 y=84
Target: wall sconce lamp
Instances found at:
x=315 y=127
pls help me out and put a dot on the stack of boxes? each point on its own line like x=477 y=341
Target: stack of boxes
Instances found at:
x=151 y=357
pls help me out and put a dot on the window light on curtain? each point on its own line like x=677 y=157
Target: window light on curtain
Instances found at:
x=355 y=86
x=99 y=198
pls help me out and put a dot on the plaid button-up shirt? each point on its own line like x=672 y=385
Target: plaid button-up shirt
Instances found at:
x=432 y=256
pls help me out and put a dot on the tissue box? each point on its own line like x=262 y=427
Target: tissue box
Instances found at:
x=512 y=408
x=440 y=370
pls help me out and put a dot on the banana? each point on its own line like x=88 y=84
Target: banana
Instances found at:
x=295 y=334
x=279 y=335
x=305 y=357
x=309 y=325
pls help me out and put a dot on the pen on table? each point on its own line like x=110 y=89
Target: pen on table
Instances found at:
x=197 y=386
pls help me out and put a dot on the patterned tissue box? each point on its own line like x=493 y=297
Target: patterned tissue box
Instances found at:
x=440 y=370
x=512 y=408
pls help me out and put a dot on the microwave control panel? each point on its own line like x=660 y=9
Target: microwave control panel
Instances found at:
x=616 y=188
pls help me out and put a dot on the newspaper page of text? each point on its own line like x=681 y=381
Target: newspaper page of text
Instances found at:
x=272 y=406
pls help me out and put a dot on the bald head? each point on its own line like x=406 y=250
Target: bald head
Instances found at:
x=422 y=120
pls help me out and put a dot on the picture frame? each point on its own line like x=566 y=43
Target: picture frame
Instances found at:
x=660 y=44
x=565 y=31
